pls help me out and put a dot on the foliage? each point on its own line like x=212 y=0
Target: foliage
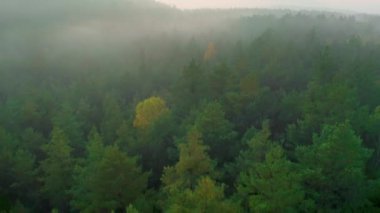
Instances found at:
x=270 y=182
x=217 y=132
x=206 y=197
x=57 y=169
x=149 y=111
x=193 y=163
x=187 y=111
x=336 y=163
x=210 y=52
x=108 y=180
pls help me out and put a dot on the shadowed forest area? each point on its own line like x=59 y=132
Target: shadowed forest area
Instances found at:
x=135 y=106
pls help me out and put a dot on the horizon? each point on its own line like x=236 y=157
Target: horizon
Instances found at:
x=365 y=6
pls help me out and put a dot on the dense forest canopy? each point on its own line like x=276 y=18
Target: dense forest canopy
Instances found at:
x=136 y=106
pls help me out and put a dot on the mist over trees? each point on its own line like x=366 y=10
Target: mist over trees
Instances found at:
x=135 y=106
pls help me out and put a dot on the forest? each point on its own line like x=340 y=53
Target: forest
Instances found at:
x=136 y=106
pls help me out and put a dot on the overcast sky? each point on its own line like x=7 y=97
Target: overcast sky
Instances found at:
x=366 y=6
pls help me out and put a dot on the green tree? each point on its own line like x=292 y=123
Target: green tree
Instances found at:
x=154 y=124
x=268 y=182
x=31 y=114
x=112 y=119
x=327 y=103
x=372 y=140
x=205 y=197
x=249 y=85
x=6 y=152
x=24 y=185
x=193 y=163
x=335 y=163
x=66 y=120
x=108 y=180
x=257 y=146
x=126 y=138
x=220 y=82
x=326 y=66
x=57 y=169
x=131 y=209
x=18 y=183
x=188 y=185
x=217 y=132
x=190 y=89
x=32 y=141
x=154 y=145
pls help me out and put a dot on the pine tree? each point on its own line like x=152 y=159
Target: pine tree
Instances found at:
x=193 y=163
x=112 y=119
x=217 y=132
x=335 y=163
x=191 y=89
x=66 y=120
x=108 y=180
x=206 y=197
x=188 y=184
x=57 y=170
x=268 y=182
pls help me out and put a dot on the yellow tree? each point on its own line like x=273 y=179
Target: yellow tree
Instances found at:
x=210 y=52
x=188 y=185
x=193 y=163
x=148 y=111
x=206 y=197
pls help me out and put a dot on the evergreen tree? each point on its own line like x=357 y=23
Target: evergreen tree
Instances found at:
x=336 y=163
x=220 y=82
x=57 y=169
x=191 y=88
x=217 y=132
x=327 y=103
x=112 y=119
x=108 y=180
x=155 y=129
x=205 y=197
x=24 y=185
x=269 y=182
x=66 y=120
x=188 y=185
x=193 y=163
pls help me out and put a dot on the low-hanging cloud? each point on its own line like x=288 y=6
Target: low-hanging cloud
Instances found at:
x=363 y=6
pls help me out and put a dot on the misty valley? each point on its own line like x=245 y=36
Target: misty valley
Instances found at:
x=138 y=106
